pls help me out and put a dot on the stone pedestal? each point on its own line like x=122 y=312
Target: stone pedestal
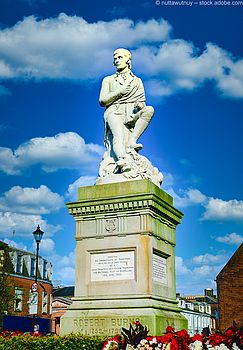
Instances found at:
x=125 y=263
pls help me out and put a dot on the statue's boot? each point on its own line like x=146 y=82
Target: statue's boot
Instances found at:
x=122 y=157
x=141 y=124
x=139 y=128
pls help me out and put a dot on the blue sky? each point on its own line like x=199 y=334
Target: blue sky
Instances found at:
x=53 y=56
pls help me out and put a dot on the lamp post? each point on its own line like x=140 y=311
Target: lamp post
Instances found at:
x=38 y=236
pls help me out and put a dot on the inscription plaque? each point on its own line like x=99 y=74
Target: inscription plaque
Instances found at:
x=159 y=269
x=112 y=266
x=101 y=325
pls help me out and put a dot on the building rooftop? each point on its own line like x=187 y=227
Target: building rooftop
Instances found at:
x=66 y=291
x=236 y=257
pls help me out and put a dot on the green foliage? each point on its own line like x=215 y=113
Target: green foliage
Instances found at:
x=6 y=286
x=6 y=293
x=134 y=335
x=67 y=342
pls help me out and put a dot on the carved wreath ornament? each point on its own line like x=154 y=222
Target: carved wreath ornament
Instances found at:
x=110 y=225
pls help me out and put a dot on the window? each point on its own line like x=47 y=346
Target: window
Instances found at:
x=32 y=267
x=201 y=308
x=182 y=303
x=44 y=302
x=33 y=303
x=18 y=299
x=208 y=309
x=190 y=306
x=44 y=269
x=189 y=320
x=19 y=266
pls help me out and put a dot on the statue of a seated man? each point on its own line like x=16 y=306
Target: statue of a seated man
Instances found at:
x=126 y=115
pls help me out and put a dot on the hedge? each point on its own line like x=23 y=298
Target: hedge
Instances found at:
x=68 y=342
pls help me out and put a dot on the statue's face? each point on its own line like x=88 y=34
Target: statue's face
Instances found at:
x=120 y=60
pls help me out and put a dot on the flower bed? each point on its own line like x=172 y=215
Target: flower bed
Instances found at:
x=136 y=338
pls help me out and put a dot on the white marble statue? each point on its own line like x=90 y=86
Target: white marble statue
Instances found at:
x=126 y=117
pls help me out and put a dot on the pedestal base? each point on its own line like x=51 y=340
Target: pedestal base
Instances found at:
x=125 y=263
x=109 y=321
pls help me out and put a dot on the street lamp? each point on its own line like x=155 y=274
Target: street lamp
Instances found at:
x=38 y=236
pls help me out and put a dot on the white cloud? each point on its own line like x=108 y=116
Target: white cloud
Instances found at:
x=63 y=47
x=207 y=271
x=220 y=210
x=47 y=246
x=202 y=271
x=24 y=224
x=181 y=268
x=63 y=267
x=66 y=275
x=168 y=181
x=72 y=191
x=20 y=210
x=195 y=196
x=160 y=66
x=62 y=151
x=8 y=161
x=230 y=238
x=231 y=84
x=209 y=259
x=158 y=88
x=31 y=200
x=18 y=245
x=215 y=209
x=5 y=70
x=187 y=197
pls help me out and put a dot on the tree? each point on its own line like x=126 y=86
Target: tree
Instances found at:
x=6 y=286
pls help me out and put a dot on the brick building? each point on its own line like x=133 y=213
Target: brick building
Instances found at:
x=230 y=291
x=62 y=298
x=18 y=267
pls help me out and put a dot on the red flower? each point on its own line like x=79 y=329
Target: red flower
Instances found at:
x=170 y=329
x=216 y=339
x=229 y=332
x=197 y=337
x=150 y=338
x=167 y=338
x=174 y=345
x=183 y=334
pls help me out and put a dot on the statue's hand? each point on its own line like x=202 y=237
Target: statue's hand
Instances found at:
x=125 y=89
x=139 y=105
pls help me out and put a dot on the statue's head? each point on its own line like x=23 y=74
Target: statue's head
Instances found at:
x=122 y=59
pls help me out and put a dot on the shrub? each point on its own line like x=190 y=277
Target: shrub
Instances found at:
x=13 y=341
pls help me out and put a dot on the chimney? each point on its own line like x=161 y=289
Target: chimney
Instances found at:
x=208 y=292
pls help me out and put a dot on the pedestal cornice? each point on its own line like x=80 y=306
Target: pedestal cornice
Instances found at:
x=140 y=195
